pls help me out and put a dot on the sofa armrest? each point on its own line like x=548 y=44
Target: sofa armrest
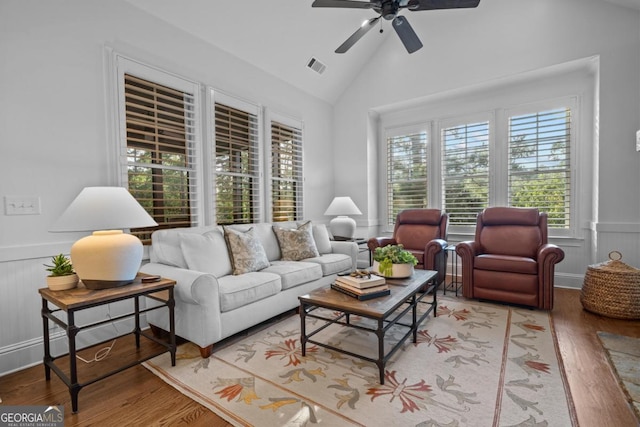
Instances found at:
x=346 y=248
x=192 y=287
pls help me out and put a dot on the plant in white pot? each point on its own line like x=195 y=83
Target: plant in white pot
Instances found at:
x=62 y=276
x=393 y=261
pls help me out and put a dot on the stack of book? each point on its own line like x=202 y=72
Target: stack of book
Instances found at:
x=362 y=288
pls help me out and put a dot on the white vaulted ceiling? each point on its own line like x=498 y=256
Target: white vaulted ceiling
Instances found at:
x=281 y=36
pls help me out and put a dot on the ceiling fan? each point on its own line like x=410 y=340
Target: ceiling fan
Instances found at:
x=388 y=9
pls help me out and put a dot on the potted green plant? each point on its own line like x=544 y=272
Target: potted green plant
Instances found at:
x=61 y=274
x=393 y=261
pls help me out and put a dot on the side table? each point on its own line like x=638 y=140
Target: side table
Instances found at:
x=81 y=298
x=455 y=283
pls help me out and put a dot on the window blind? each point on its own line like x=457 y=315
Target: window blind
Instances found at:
x=406 y=173
x=236 y=165
x=539 y=163
x=465 y=171
x=286 y=173
x=160 y=152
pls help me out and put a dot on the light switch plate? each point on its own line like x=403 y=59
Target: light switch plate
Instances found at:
x=22 y=205
x=638 y=140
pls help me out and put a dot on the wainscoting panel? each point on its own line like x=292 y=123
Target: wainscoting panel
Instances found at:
x=21 y=342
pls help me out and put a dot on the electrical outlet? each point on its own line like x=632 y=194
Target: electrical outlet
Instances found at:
x=22 y=205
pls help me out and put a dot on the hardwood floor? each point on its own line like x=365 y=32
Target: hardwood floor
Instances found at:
x=137 y=397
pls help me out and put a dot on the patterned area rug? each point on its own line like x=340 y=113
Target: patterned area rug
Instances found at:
x=476 y=364
x=624 y=355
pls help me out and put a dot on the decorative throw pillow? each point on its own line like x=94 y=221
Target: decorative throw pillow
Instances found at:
x=296 y=244
x=247 y=253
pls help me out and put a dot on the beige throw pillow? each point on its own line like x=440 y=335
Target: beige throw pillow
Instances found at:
x=247 y=253
x=296 y=244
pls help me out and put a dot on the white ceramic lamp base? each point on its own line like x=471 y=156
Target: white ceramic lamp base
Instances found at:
x=107 y=259
x=343 y=227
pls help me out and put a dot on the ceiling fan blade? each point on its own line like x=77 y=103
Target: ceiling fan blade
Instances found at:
x=357 y=35
x=408 y=37
x=345 y=4
x=441 y=4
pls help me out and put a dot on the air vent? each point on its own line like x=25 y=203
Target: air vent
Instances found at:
x=316 y=65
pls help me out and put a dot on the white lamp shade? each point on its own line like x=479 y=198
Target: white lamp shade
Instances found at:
x=109 y=257
x=103 y=208
x=342 y=226
x=342 y=206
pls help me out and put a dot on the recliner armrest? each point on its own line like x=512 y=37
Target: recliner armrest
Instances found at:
x=435 y=246
x=548 y=256
x=378 y=242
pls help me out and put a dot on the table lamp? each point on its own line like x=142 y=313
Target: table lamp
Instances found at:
x=109 y=257
x=342 y=227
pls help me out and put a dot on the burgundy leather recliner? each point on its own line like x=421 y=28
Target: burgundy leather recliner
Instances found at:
x=510 y=259
x=423 y=232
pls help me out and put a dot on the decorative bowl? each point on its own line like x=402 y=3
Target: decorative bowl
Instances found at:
x=398 y=271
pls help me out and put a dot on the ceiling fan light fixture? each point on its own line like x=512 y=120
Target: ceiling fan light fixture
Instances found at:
x=388 y=9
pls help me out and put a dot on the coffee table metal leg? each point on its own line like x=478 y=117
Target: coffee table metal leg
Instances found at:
x=380 y=361
x=303 y=329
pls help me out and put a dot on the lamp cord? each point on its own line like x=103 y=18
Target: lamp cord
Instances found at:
x=102 y=353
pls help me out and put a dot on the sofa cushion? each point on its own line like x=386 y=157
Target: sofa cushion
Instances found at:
x=165 y=245
x=321 y=237
x=247 y=253
x=294 y=273
x=206 y=252
x=238 y=291
x=296 y=244
x=332 y=263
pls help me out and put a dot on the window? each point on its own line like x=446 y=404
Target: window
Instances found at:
x=247 y=172
x=465 y=171
x=286 y=171
x=237 y=172
x=539 y=163
x=406 y=172
x=159 y=138
x=519 y=157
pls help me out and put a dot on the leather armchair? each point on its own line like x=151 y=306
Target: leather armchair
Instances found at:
x=510 y=259
x=423 y=232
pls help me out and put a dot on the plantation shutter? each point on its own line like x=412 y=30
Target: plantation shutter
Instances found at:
x=286 y=172
x=465 y=171
x=237 y=174
x=406 y=173
x=160 y=152
x=539 y=163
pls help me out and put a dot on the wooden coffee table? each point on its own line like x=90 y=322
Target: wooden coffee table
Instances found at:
x=386 y=311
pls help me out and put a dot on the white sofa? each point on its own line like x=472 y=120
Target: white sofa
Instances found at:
x=212 y=303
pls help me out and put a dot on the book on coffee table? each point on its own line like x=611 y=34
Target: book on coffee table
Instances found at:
x=362 y=295
x=362 y=282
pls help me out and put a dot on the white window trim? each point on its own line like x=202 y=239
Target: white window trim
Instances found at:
x=274 y=116
x=119 y=64
x=217 y=95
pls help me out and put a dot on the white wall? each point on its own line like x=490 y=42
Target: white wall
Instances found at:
x=54 y=137
x=509 y=38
